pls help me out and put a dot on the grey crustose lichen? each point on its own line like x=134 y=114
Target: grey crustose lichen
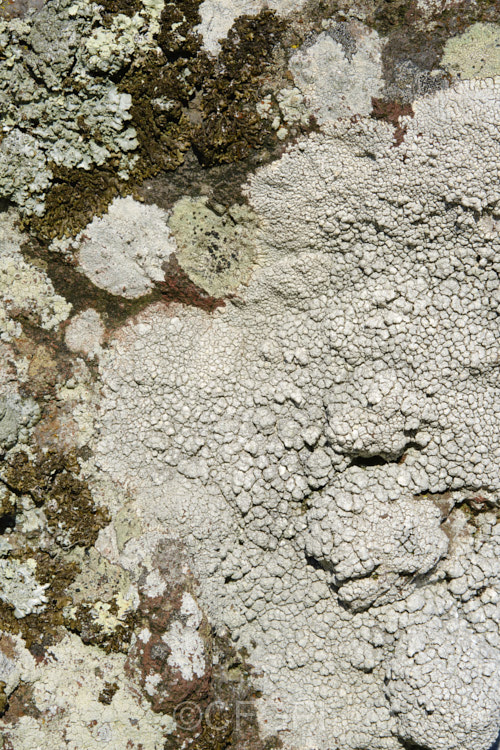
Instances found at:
x=315 y=442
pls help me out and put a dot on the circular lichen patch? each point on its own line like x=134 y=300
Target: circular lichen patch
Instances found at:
x=216 y=251
x=474 y=54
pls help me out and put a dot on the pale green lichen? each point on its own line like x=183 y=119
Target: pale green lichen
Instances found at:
x=24 y=288
x=216 y=251
x=474 y=54
x=292 y=106
x=69 y=691
x=109 y=49
x=56 y=112
x=17 y=416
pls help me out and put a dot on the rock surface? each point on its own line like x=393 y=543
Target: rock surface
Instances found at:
x=249 y=393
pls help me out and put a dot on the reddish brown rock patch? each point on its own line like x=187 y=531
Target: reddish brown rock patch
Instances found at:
x=391 y=112
x=178 y=287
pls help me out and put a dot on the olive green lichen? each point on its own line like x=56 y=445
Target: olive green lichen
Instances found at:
x=52 y=482
x=75 y=197
x=474 y=54
x=217 y=252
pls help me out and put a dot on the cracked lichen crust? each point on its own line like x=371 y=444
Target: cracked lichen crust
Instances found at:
x=382 y=557
x=437 y=668
x=351 y=383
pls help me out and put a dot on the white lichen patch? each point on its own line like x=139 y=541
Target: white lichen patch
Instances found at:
x=24 y=287
x=337 y=82
x=216 y=252
x=124 y=251
x=475 y=53
x=85 y=333
x=287 y=439
x=19 y=587
x=16 y=663
x=293 y=107
x=187 y=647
x=66 y=687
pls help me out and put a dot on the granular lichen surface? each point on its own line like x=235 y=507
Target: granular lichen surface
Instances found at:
x=249 y=357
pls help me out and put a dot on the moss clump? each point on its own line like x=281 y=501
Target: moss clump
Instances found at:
x=160 y=92
x=177 y=38
x=76 y=196
x=230 y=125
x=52 y=483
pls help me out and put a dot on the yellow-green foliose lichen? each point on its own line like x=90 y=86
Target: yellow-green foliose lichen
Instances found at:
x=216 y=252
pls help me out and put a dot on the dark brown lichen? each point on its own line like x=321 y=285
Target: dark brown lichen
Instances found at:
x=181 y=99
x=107 y=693
x=230 y=125
x=76 y=196
x=391 y=112
x=126 y=7
x=52 y=482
